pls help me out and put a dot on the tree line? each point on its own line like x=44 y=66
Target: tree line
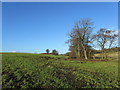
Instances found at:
x=82 y=40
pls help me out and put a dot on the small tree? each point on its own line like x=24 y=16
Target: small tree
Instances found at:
x=55 y=52
x=47 y=51
x=67 y=54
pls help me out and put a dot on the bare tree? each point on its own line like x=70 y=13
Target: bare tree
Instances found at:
x=101 y=39
x=112 y=36
x=105 y=37
x=80 y=37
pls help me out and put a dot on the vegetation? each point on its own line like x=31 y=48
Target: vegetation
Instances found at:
x=82 y=41
x=80 y=38
x=111 y=54
x=104 y=36
x=91 y=69
x=55 y=52
x=51 y=71
x=47 y=51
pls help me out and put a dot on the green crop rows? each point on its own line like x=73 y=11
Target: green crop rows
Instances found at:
x=37 y=71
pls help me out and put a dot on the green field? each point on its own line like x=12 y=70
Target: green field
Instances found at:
x=49 y=71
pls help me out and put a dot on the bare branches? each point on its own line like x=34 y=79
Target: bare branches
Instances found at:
x=80 y=37
x=104 y=37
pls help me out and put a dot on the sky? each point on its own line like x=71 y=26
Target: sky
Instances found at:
x=36 y=26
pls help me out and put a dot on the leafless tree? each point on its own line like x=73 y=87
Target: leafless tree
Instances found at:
x=112 y=36
x=105 y=37
x=80 y=37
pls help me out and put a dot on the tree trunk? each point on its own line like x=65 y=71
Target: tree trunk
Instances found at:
x=89 y=54
x=78 y=51
x=85 y=53
x=102 y=48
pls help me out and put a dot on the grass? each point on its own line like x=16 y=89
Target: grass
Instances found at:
x=112 y=55
x=50 y=71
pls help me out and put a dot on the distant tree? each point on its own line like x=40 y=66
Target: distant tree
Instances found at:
x=105 y=38
x=47 y=51
x=67 y=54
x=112 y=36
x=55 y=52
x=101 y=39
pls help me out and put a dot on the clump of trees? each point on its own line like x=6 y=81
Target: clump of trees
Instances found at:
x=55 y=52
x=82 y=40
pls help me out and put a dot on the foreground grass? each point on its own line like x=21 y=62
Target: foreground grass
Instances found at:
x=41 y=71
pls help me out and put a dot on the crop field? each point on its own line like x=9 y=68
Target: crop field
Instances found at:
x=49 y=71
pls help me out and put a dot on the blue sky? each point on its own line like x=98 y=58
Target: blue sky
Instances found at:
x=37 y=26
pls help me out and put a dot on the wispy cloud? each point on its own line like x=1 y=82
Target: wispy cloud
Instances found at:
x=115 y=28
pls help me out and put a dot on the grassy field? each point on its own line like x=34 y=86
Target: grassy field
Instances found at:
x=49 y=71
x=110 y=55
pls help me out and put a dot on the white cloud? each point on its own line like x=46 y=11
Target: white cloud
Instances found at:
x=13 y=51
x=113 y=28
